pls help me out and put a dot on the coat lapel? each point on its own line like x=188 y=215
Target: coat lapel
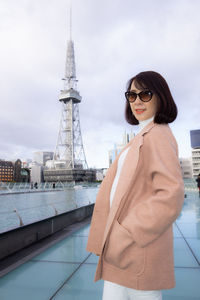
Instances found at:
x=127 y=174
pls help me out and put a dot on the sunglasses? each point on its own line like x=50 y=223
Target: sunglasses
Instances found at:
x=145 y=96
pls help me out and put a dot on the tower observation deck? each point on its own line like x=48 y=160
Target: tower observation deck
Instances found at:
x=69 y=160
x=69 y=148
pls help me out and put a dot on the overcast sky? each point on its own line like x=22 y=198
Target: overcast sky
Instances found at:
x=114 y=40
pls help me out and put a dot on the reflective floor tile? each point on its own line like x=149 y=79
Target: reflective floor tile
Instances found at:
x=83 y=231
x=92 y=259
x=195 y=245
x=183 y=257
x=190 y=230
x=71 y=249
x=81 y=286
x=176 y=232
x=34 y=280
x=187 y=216
x=187 y=285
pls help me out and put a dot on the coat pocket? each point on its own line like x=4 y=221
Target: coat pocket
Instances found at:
x=121 y=250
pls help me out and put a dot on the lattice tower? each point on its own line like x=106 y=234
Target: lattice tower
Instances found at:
x=69 y=152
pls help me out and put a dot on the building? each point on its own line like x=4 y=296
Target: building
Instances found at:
x=6 y=171
x=186 y=167
x=195 y=144
x=196 y=162
x=12 y=171
x=37 y=166
x=117 y=148
x=100 y=174
x=41 y=157
x=17 y=170
x=36 y=173
x=25 y=175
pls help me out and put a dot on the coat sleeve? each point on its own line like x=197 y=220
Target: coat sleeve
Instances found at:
x=148 y=219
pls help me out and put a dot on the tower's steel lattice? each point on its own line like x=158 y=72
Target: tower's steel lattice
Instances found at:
x=69 y=147
x=69 y=161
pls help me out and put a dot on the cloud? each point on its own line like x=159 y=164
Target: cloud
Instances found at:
x=114 y=40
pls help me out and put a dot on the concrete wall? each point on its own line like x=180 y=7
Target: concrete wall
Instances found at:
x=17 y=239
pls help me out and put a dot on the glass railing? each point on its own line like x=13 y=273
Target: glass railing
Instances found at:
x=190 y=184
x=15 y=187
x=19 y=209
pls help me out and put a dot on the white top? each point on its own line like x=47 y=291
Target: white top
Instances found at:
x=121 y=159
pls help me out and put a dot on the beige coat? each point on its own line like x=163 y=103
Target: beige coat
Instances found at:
x=135 y=237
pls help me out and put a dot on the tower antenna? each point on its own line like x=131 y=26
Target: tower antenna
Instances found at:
x=70 y=20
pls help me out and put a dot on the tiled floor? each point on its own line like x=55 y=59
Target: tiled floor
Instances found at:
x=66 y=270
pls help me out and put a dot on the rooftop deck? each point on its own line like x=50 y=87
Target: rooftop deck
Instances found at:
x=66 y=270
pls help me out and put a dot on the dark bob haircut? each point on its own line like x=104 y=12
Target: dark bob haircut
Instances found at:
x=166 y=108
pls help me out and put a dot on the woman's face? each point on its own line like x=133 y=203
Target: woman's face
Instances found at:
x=148 y=109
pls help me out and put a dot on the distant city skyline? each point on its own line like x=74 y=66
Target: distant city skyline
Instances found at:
x=113 y=42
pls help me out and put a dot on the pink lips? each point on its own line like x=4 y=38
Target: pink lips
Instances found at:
x=138 y=111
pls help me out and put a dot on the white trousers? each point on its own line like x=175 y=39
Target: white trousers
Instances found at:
x=115 y=291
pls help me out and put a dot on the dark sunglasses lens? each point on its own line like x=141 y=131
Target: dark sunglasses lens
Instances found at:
x=146 y=95
x=131 y=96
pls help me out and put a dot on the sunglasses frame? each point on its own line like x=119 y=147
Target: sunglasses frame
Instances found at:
x=138 y=94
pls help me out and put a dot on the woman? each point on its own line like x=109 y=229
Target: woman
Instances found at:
x=139 y=199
